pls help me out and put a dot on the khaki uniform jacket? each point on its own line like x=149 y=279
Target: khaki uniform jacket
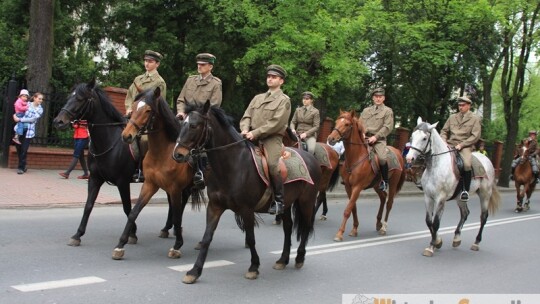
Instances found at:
x=533 y=147
x=144 y=82
x=378 y=121
x=464 y=131
x=306 y=119
x=267 y=115
x=197 y=89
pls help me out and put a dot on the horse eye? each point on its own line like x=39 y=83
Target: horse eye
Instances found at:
x=192 y=126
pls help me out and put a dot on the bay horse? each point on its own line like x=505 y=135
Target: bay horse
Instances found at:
x=109 y=160
x=234 y=183
x=524 y=180
x=153 y=116
x=358 y=172
x=329 y=178
x=440 y=182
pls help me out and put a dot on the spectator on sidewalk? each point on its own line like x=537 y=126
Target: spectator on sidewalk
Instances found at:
x=80 y=136
x=21 y=105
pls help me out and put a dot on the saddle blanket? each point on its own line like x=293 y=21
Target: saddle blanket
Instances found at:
x=296 y=167
x=321 y=154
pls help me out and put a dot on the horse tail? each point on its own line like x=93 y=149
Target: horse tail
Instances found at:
x=303 y=222
x=494 y=200
x=333 y=179
x=197 y=199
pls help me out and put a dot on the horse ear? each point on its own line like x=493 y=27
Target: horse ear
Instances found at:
x=419 y=120
x=433 y=125
x=157 y=92
x=91 y=84
x=206 y=106
x=353 y=113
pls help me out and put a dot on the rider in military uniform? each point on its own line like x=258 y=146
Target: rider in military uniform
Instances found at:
x=305 y=122
x=265 y=120
x=200 y=88
x=379 y=122
x=462 y=130
x=149 y=80
x=532 y=147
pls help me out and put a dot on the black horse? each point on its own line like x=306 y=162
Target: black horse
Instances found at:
x=109 y=159
x=234 y=184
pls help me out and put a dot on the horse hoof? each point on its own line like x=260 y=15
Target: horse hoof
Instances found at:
x=338 y=239
x=118 y=253
x=74 y=242
x=382 y=232
x=323 y=218
x=353 y=233
x=198 y=246
x=475 y=247
x=189 y=279
x=251 y=275
x=518 y=209
x=279 y=266
x=438 y=245
x=164 y=234
x=378 y=226
x=526 y=207
x=132 y=240
x=456 y=243
x=276 y=223
x=428 y=252
x=299 y=265
x=174 y=254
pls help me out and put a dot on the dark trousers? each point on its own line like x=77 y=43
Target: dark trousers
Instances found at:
x=22 y=150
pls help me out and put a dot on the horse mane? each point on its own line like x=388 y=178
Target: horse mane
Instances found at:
x=104 y=100
x=224 y=120
x=171 y=125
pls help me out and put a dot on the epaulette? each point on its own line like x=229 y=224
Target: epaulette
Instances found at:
x=218 y=80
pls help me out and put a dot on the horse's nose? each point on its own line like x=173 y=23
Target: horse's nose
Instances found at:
x=127 y=138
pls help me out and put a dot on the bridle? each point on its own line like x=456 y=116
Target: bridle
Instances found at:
x=347 y=132
x=426 y=152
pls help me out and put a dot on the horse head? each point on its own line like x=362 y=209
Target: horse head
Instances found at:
x=420 y=140
x=194 y=133
x=345 y=124
x=143 y=116
x=77 y=106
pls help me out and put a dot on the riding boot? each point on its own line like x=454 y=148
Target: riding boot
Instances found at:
x=384 y=183
x=537 y=178
x=277 y=206
x=466 y=186
x=512 y=174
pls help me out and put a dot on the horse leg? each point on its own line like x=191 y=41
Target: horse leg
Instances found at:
x=351 y=205
x=464 y=213
x=382 y=201
x=433 y=223
x=125 y=194
x=147 y=191
x=354 y=230
x=519 y=196
x=389 y=205
x=318 y=204
x=483 y=220
x=93 y=191
x=164 y=232
x=287 y=232
x=177 y=207
x=325 y=206
x=213 y=214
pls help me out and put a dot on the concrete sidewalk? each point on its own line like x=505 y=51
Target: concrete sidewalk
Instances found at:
x=46 y=189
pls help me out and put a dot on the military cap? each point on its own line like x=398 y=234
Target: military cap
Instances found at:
x=464 y=99
x=377 y=91
x=309 y=94
x=277 y=70
x=206 y=58
x=149 y=54
x=533 y=132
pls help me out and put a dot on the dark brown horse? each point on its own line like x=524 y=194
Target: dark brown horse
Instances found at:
x=234 y=183
x=524 y=180
x=358 y=172
x=329 y=178
x=153 y=116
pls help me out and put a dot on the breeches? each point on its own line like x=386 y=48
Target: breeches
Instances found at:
x=466 y=154
x=311 y=143
x=380 y=150
x=273 y=146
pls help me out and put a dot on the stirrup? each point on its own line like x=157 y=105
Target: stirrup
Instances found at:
x=276 y=208
x=198 y=180
x=464 y=196
x=383 y=186
x=138 y=177
x=511 y=177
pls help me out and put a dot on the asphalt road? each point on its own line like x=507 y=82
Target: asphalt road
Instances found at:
x=36 y=265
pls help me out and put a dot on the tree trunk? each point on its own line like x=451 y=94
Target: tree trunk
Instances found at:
x=40 y=54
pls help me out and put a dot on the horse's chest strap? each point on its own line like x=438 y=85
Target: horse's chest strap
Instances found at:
x=350 y=168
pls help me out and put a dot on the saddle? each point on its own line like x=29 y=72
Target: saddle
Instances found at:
x=458 y=167
x=259 y=152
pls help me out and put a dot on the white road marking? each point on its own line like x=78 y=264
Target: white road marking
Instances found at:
x=334 y=247
x=186 y=267
x=58 y=284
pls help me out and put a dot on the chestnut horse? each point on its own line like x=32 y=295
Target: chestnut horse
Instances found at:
x=358 y=172
x=329 y=178
x=234 y=183
x=524 y=180
x=153 y=115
